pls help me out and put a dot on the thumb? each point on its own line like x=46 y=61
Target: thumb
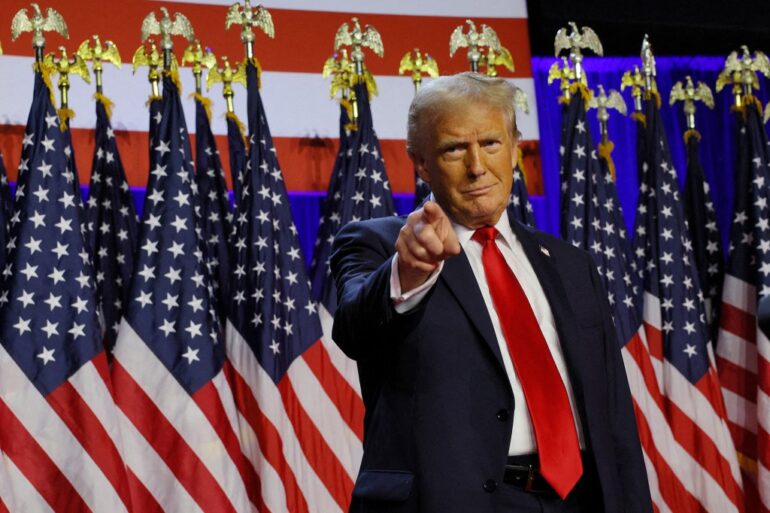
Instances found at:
x=451 y=244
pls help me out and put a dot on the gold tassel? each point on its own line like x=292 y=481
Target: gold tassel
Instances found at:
x=64 y=116
x=206 y=102
x=748 y=464
x=653 y=94
x=233 y=116
x=108 y=104
x=639 y=117
x=579 y=87
x=605 y=152
x=255 y=62
x=691 y=133
x=45 y=74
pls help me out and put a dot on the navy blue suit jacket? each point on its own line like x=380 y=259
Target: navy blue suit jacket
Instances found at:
x=438 y=400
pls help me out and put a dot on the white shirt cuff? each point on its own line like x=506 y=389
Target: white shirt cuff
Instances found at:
x=407 y=301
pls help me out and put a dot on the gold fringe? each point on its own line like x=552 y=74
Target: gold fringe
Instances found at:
x=255 y=62
x=206 y=102
x=579 y=87
x=349 y=108
x=174 y=75
x=563 y=100
x=605 y=152
x=747 y=463
x=108 y=104
x=45 y=74
x=639 y=117
x=691 y=133
x=64 y=116
x=653 y=94
x=750 y=99
x=233 y=116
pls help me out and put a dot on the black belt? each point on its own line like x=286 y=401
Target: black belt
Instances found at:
x=524 y=472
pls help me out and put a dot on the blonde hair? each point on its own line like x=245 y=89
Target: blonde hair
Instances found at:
x=442 y=94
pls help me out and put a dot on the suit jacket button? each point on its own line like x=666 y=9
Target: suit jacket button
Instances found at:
x=490 y=485
x=503 y=415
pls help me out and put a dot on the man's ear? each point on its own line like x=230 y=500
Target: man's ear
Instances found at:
x=420 y=167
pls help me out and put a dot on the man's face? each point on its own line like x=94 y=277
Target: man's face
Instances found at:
x=467 y=157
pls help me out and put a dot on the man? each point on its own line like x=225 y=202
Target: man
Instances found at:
x=489 y=367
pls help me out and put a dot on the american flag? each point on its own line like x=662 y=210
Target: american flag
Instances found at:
x=215 y=210
x=743 y=351
x=704 y=469
x=112 y=227
x=322 y=284
x=5 y=210
x=60 y=434
x=702 y=221
x=293 y=433
x=176 y=410
x=519 y=207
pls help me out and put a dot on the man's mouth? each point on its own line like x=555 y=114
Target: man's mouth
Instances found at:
x=478 y=191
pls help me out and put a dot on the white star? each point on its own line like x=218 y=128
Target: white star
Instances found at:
x=147 y=273
x=42 y=194
x=195 y=303
x=167 y=328
x=689 y=327
x=194 y=329
x=47 y=355
x=26 y=298
x=275 y=347
x=163 y=148
x=153 y=221
x=179 y=223
x=145 y=298
x=50 y=328
x=182 y=199
x=38 y=219
x=690 y=350
x=171 y=301
x=80 y=305
x=156 y=197
x=173 y=275
x=30 y=271
x=77 y=330
x=191 y=355
x=48 y=144
x=177 y=249
x=33 y=245
x=53 y=301
x=65 y=225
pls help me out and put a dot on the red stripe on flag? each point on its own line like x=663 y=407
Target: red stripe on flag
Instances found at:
x=141 y=498
x=738 y=322
x=638 y=352
x=210 y=404
x=763 y=371
x=317 y=451
x=737 y=379
x=39 y=469
x=189 y=470
x=676 y=497
x=348 y=402
x=269 y=440
x=745 y=441
x=90 y=432
x=306 y=161
x=3 y=507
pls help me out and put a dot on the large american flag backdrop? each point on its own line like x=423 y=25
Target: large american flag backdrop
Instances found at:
x=303 y=120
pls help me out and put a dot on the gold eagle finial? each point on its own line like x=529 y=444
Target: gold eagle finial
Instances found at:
x=98 y=54
x=358 y=39
x=38 y=24
x=473 y=40
x=574 y=40
x=65 y=66
x=198 y=58
x=689 y=93
x=418 y=63
x=741 y=71
x=250 y=18
x=495 y=58
x=165 y=28
x=634 y=80
x=227 y=76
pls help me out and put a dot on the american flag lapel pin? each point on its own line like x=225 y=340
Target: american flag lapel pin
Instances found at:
x=545 y=251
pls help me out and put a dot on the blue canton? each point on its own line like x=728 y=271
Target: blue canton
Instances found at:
x=48 y=316
x=591 y=219
x=112 y=227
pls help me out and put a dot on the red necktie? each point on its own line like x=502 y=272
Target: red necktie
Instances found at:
x=549 y=408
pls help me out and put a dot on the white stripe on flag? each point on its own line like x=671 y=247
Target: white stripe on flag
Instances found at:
x=325 y=416
x=225 y=394
x=740 y=294
x=153 y=472
x=483 y=9
x=736 y=350
x=652 y=479
x=740 y=411
x=31 y=409
x=17 y=493
x=271 y=405
x=181 y=411
x=763 y=407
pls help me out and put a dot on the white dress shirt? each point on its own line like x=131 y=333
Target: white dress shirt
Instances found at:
x=523 y=436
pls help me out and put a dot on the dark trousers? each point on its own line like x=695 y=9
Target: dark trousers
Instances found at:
x=584 y=498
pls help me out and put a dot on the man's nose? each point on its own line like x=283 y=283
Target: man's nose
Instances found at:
x=474 y=164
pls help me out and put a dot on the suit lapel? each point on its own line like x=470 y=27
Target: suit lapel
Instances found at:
x=459 y=278
x=545 y=269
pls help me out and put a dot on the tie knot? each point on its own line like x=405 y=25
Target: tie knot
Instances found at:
x=485 y=234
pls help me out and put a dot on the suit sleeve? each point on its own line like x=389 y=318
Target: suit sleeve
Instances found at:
x=631 y=467
x=365 y=322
